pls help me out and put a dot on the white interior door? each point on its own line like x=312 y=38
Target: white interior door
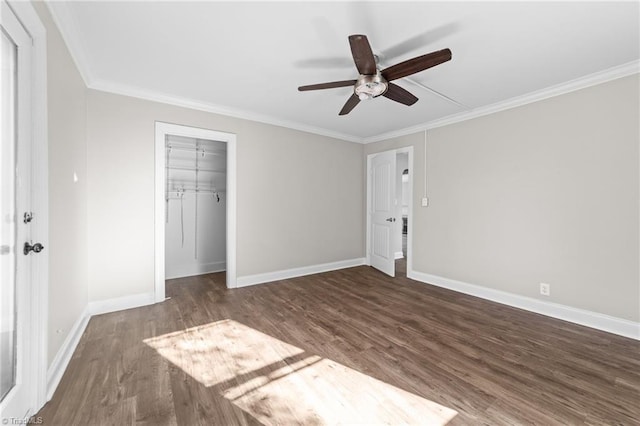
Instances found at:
x=382 y=212
x=17 y=371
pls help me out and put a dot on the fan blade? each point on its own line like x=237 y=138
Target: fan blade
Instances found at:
x=417 y=64
x=398 y=94
x=350 y=104
x=362 y=54
x=331 y=85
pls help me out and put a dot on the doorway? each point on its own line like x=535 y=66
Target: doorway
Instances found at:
x=195 y=174
x=390 y=210
x=403 y=196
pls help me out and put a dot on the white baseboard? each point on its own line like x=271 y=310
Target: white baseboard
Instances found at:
x=297 y=272
x=62 y=358
x=121 y=303
x=198 y=269
x=399 y=255
x=591 y=319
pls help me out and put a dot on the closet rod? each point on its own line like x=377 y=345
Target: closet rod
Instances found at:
x=179 y=195
x=206 y=191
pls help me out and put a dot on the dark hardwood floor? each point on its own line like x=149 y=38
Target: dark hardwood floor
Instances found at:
x=349 y=347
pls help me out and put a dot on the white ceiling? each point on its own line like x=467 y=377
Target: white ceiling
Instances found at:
x=247 y=59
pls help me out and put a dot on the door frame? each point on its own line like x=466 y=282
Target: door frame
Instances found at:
x=163 y=129
x=38 y=293
x=409 y=151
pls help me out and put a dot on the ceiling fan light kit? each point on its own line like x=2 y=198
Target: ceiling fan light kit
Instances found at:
x=370 y=86
x=372 y=82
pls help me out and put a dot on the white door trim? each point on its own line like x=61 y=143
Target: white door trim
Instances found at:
x=162 y=130
x=409 y=151
x=39 y=292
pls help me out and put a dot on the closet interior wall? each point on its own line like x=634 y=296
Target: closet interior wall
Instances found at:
x=195 y=199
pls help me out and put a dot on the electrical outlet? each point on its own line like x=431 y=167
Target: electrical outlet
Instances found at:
x=425 y=202
x=545 y=289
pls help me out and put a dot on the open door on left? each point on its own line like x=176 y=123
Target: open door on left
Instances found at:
x=18 y=360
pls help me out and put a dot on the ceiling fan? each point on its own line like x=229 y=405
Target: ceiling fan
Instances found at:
x=372 y=82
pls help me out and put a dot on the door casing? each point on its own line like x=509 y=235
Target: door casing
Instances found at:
x=161 y=131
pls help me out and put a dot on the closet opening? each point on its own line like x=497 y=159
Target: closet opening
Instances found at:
x=195 y=210
x=195 y=204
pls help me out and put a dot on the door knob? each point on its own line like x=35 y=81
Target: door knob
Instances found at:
x=36 y=248
x=390 y=219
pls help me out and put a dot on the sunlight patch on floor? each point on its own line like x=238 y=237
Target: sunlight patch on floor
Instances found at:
x=276 y=382
x=219 y=352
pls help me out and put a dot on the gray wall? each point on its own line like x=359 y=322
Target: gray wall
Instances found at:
x=299 y=195
x=547 y=192
x=68 y=291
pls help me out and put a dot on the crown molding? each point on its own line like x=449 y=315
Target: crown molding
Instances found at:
x=66 y=23
x=549 y=92
x=154 y=96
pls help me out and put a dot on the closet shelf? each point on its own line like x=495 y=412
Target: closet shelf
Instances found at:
x=195 y=169
x=189 y=184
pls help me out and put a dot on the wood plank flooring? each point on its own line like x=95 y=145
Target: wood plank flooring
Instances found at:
x=348 y=347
